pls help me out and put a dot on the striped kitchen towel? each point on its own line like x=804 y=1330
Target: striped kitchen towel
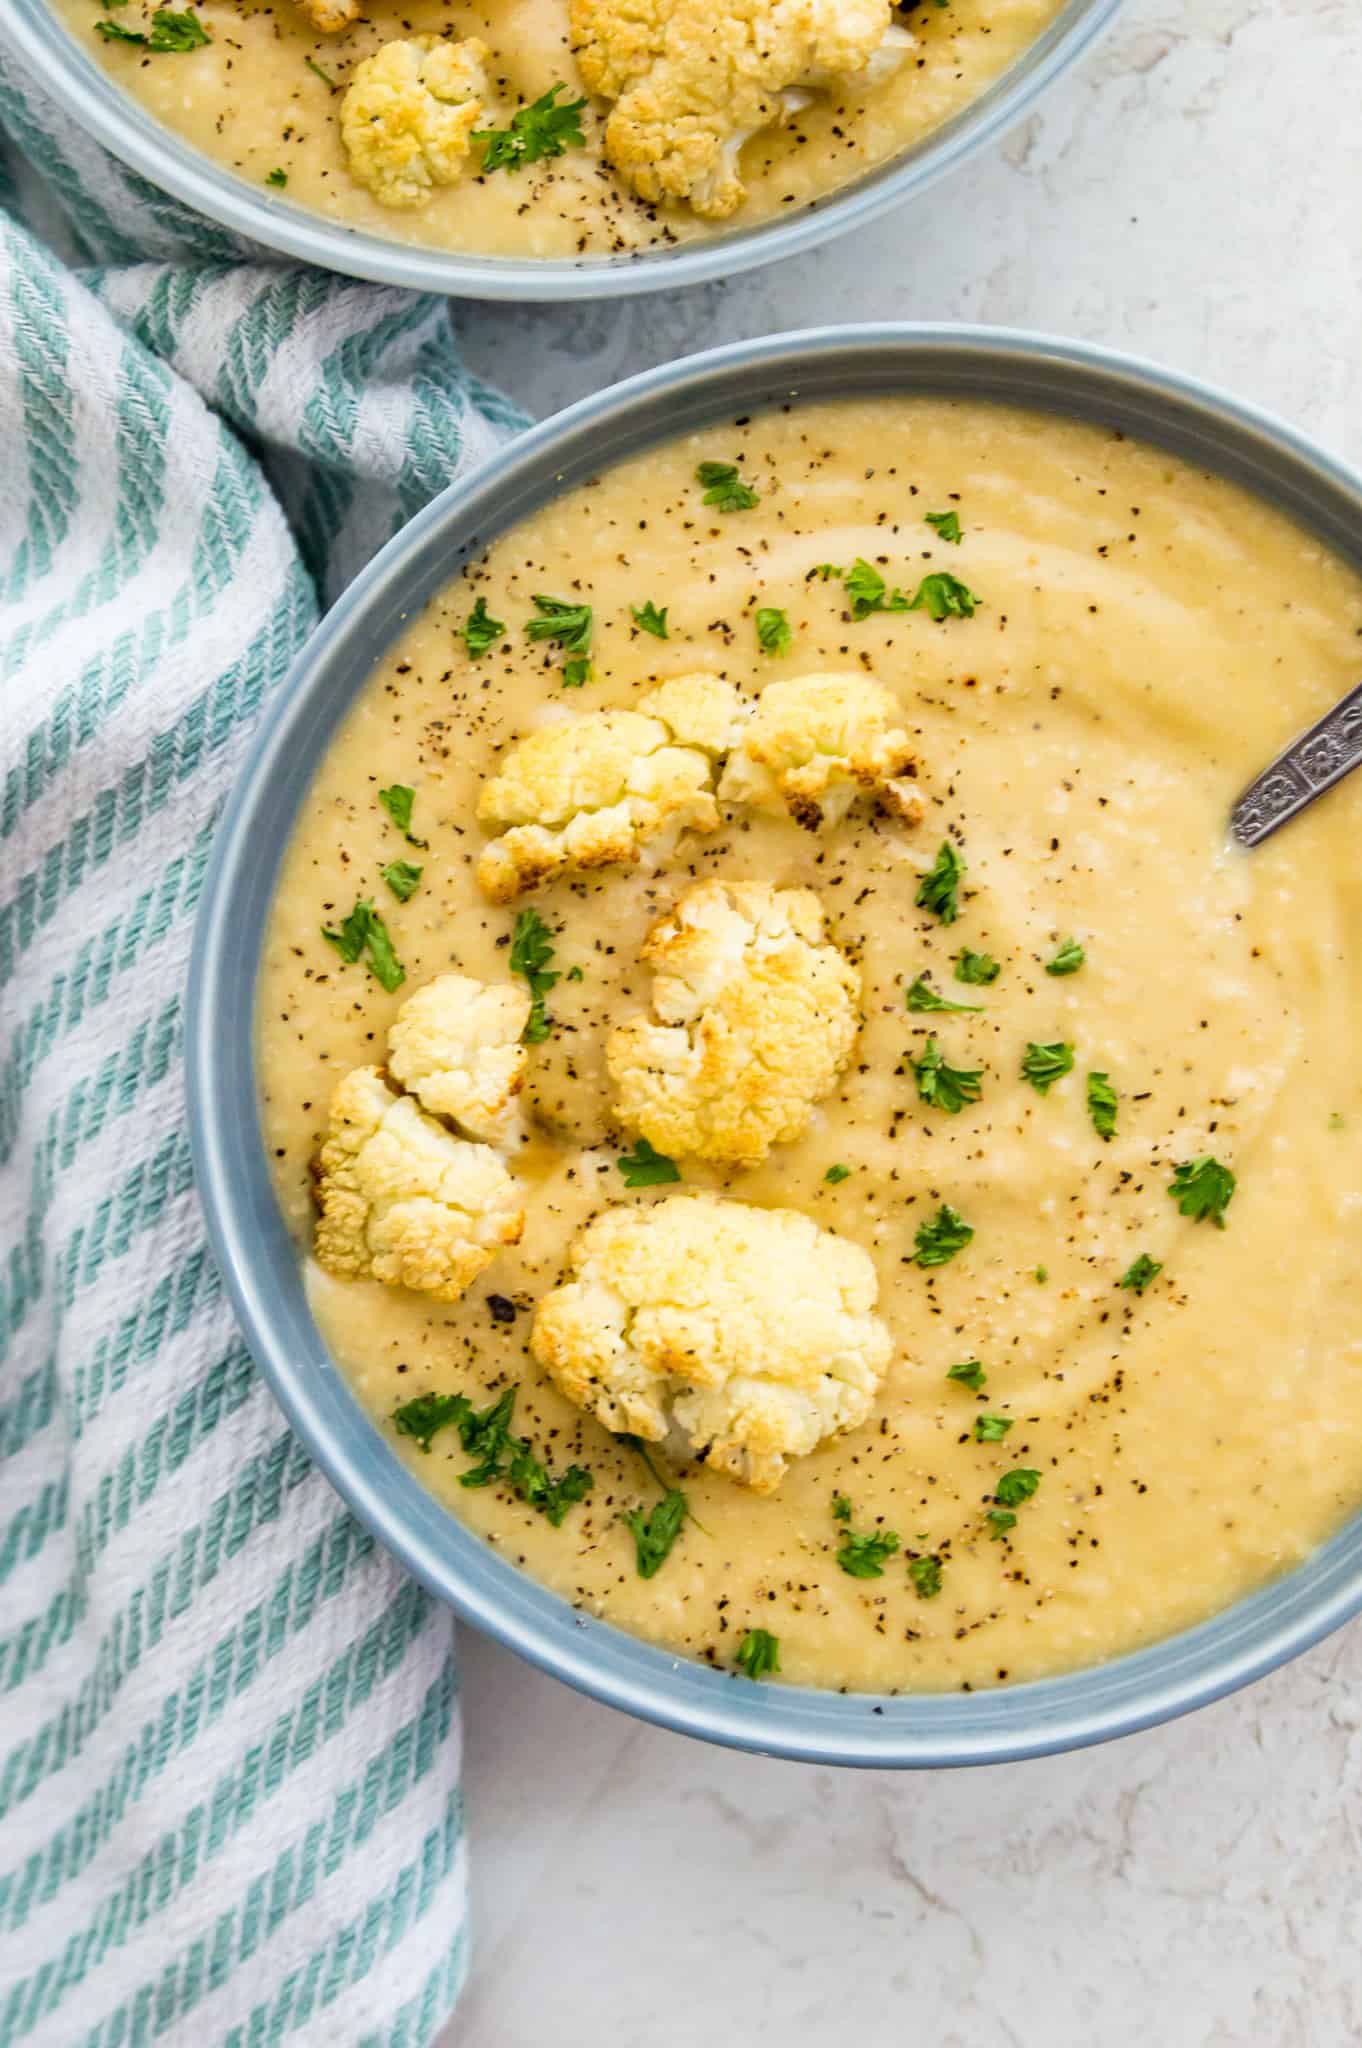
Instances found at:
x=229 y=1764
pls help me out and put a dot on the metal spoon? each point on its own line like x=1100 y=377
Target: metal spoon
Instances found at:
x=1313 y=762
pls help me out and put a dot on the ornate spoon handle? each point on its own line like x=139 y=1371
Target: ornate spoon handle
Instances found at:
x=1313 y=762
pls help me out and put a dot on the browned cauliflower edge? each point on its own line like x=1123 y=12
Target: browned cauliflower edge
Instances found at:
x=693 y=81
x=591 y=791
x=403 y=1200
x=331 y=16
x=408 y=116
x=815 y=742
x=754 y=1016
x=746 y=1336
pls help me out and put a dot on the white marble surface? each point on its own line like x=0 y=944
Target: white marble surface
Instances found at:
x=1191 y=194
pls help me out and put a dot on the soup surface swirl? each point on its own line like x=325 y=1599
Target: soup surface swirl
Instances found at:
x=1145 y=636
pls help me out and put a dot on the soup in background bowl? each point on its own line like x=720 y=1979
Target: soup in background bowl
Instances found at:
x=501 y=151
x=1093 y=1083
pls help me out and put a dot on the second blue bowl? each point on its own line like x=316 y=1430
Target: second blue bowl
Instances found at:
x=100 y=108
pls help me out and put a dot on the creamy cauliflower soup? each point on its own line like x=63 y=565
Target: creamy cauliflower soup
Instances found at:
x=618 y=126
x=803 y=1132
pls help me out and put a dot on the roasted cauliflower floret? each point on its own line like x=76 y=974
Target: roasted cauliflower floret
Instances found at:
x=404 y=1201
x=592 y=791
x=747 y=1335
x=814 y=742
x=692 y=80
x=455 y=1044
x=754 y=1016
x=409 y=114
x=331 y=16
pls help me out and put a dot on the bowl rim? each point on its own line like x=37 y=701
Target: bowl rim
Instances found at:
x=1153 y=1684
x=98 y=103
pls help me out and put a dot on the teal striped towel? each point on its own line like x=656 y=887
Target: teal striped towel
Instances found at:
x=229 y=1744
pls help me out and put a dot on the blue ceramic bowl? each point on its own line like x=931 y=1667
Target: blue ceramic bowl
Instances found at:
x=260 y=1263
x=96 y=104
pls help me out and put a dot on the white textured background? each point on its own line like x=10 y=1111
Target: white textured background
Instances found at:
x=1194 y=194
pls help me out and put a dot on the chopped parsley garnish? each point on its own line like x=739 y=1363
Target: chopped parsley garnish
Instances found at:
x=724 y=488
x=562 y=620
x=541 y=1489
x=1000 y=1521
x=177 y=31
x=835 y=1174
x=827 y=570
x=480 y=630
x=166 y=33
x=325 y=76
x=278 y=179
x=421 y=1418
x=991 y=1429
x=402 y=877
x=537 y=1486
x=486 y=1437
x=1041 y=1275
x=758 y=1654
x=1140 y=1272
x=397 y=801
x=363 y=935
x=1043 y=1065
x=645 y=1168
x=484 y=1434
x=862 y=1557
x=532 y=945
x=970 y=1373
x=1068 y=959
x=541 y=130
x=868 y=591
x=937 y=891
x=841 y=1507
x=977 y=970
x=574 y=974
x=938 y=1240
x=649 y=619
x=656 y=1532
x=945 y=597
x=577 y=672
x=920 y=997
x=1201 y=1188
x=947 y=525
x=1016 y=1486
x=659 y=1523
x=925 y=1574
x=773 y=630
x=941 y=1086
x=1102 y=1105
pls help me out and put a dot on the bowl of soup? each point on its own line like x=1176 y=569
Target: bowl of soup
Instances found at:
x=757 y=1122
x=546 y=148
